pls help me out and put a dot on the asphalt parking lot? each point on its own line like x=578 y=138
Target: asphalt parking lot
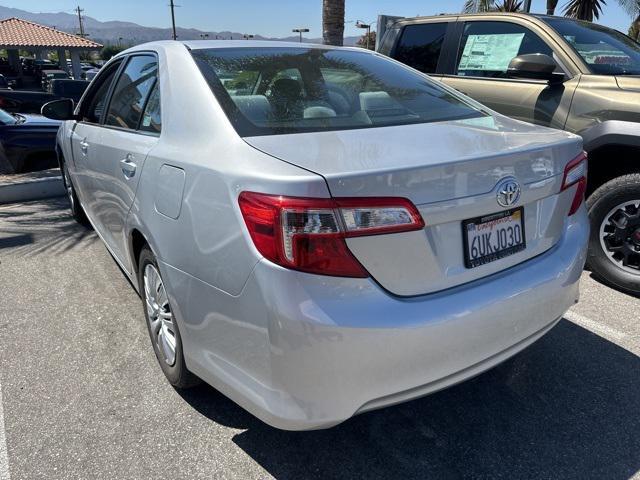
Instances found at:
x=81 y=395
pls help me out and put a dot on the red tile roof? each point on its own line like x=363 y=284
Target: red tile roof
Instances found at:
x=15 y=32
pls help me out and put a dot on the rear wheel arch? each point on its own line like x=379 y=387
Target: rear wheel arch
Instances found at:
x=611 y=161
x=59 y=155
x=137 y=242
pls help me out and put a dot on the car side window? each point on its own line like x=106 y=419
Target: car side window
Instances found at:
x=151 y=119
x=131 y=92
x=420 y=46
x=96 y=100
x=487 y=48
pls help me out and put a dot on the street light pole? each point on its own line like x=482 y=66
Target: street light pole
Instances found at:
x=359 y=24
x=300 y=31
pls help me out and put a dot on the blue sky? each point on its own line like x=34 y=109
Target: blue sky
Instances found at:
x=270 y=18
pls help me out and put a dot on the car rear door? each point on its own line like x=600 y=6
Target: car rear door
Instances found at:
x=84 y=136
x=119 y=151
x=485 y=48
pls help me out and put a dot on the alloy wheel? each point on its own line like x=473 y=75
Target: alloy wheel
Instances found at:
x=159 y=314
x=620 y=236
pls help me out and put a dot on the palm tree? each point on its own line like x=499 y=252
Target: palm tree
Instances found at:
x=473 y=6
x=551 y=6
x=584 y=9
x=633 y=9
x=333 y=22
x=509 y=6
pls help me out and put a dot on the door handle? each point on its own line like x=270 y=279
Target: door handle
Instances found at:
x=128 y=166
x=84 y=146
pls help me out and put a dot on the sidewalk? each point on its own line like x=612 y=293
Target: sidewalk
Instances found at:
x=31 y=186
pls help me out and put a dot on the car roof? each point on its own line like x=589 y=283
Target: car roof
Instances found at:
x=206 y=44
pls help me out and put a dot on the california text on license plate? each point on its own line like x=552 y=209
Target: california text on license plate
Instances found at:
x=492 y=237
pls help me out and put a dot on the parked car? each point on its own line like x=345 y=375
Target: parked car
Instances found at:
x=348 y=235
x=24 y=101
x=556 y=72
x=27 y=142
x=65 y=88
x=48 y=75
x=10 y=74
x=40 y=65
x=4 y=85
x=89 y=74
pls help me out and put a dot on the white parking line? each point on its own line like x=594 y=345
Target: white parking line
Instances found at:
x=595 y=327
x=4 y=458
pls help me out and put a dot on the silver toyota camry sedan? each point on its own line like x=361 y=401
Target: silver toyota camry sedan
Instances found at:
x=316 y=231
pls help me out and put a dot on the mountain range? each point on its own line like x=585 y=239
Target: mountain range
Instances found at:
x=115 y=31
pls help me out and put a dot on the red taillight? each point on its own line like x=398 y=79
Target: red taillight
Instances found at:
x=308 y=234
x=576 y=173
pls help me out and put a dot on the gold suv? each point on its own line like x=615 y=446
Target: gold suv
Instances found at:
x=557 y=72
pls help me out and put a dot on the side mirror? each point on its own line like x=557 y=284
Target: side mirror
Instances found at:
x=537 y=66
x=58 y=109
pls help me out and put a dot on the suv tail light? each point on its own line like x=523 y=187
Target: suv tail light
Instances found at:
x=576 y=173
x=308 y=234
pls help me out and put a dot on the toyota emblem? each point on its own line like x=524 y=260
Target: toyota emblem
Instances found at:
x=508 y=192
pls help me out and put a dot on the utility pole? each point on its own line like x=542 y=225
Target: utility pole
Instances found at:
x=79 y=11
x=173 y=19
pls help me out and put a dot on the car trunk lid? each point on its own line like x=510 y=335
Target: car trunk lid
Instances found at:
x=450 y=171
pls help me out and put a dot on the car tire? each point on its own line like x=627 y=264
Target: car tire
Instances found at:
x=614 y=242
x=161 y=323
x=74 y=204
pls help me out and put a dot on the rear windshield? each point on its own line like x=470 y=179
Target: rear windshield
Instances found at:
x=269 y=91
x=605 y=51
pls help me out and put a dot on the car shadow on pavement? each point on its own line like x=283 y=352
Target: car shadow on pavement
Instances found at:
x=567 y=407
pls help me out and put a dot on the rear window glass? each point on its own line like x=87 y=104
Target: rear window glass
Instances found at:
x=267 y=91
x=420 y=46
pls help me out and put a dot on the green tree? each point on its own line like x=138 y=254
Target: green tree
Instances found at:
x=362 y=41
x=473 y=6
x=633 y=9
x=584 y=9
x=509 y=6
x=333 y=22
x=109 y=51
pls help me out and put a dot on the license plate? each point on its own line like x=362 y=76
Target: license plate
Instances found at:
x=495 y=236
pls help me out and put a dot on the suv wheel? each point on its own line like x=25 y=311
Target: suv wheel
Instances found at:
x=162 y=325
x=614 y=244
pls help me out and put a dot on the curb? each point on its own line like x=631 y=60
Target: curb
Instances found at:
x=35 y=189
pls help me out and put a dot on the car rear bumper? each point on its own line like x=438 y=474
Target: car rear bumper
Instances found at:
x=303 y=351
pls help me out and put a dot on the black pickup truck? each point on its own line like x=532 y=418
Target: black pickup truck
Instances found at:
x=23 y=101
x=18 y=101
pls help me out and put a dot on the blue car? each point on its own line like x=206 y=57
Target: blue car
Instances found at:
x=27 y=142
